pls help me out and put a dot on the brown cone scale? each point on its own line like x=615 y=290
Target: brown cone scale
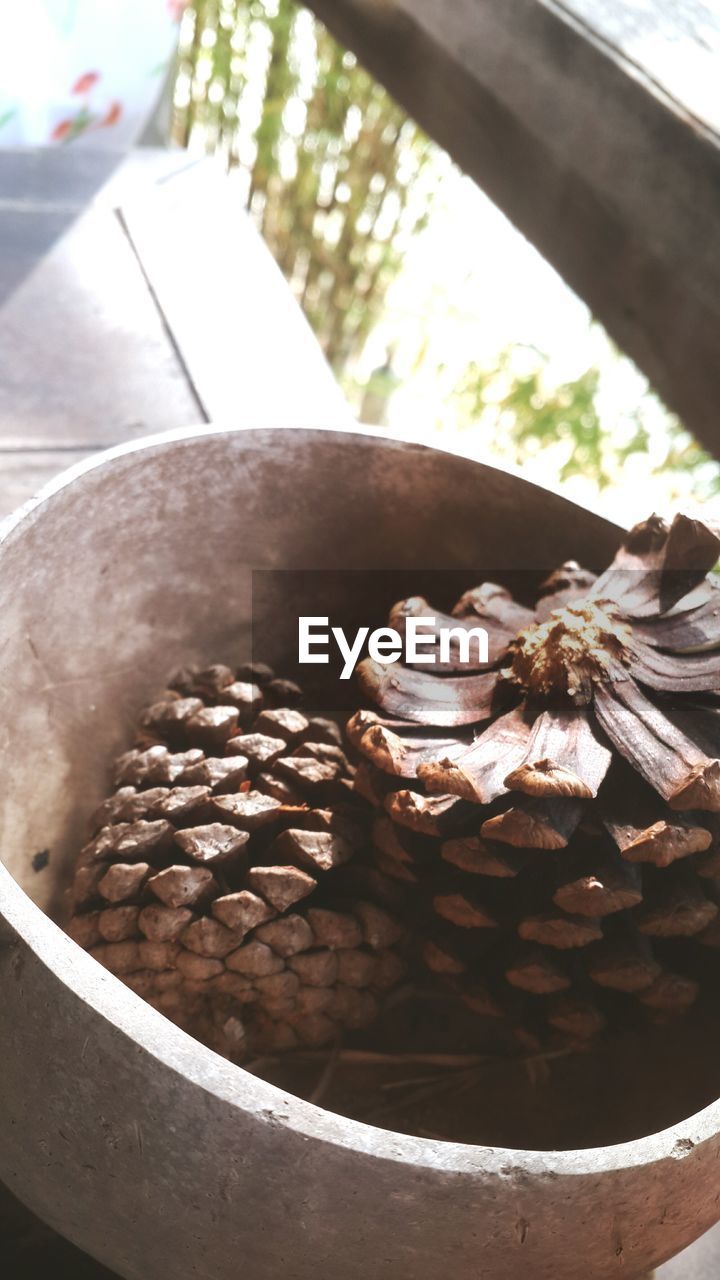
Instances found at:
x=553 y=818
x=212 y=884
x=539 y=837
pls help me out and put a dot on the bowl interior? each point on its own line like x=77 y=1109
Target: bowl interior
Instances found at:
x=147 y=560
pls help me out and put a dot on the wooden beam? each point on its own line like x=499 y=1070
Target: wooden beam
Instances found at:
x=595 y=126
x=248 y=350
x=103 y=338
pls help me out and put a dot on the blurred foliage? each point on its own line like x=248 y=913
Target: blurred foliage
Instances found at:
x=525 y=413
x=340 y=181
x=337 y=176
x=686 y=455
x=533 y=417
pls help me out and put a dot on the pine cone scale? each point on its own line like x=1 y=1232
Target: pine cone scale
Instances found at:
x=604 y=707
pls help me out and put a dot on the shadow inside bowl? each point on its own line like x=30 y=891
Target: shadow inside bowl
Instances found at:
x=146 y=562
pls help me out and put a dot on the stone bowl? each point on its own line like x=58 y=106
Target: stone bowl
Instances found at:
x=146 y=1149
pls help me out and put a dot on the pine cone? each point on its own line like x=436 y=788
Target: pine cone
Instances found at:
x=553 y=816
x=214 y=884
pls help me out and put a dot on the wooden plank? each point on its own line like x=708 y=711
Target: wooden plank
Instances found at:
x=26 y=236
x=676 y=44
x=24 y=471
x=42 y=192
x=595 y=126
x=85 y=357
x=66 y=177
x=143 y=168
x=250 y=353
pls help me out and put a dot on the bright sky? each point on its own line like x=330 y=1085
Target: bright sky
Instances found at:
x=472 y=286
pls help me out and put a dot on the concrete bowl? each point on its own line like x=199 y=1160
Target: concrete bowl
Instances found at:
x=150 y=1152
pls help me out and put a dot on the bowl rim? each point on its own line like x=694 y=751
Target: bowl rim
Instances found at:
x=231 y=1084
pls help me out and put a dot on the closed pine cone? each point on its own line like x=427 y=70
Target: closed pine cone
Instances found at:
x=213 y=883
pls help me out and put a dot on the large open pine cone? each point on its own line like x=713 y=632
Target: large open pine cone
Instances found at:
x=554 y=816
x=214 y=882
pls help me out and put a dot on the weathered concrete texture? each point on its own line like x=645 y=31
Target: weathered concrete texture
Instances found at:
x=146 y=1149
